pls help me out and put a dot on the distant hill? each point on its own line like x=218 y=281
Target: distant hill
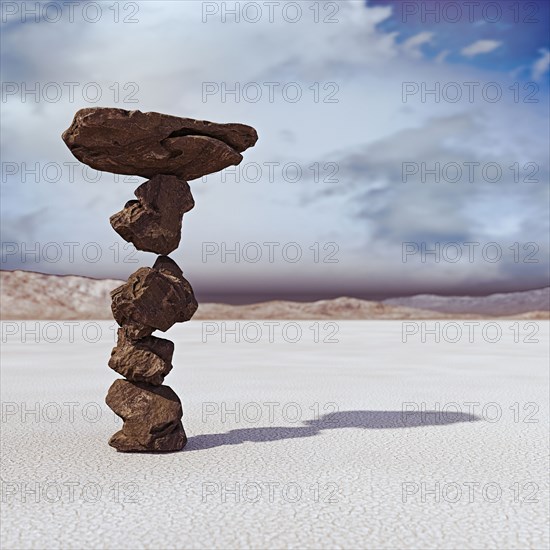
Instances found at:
x=510 y=303
x=29 y=295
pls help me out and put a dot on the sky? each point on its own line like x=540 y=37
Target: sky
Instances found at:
x=403 y=146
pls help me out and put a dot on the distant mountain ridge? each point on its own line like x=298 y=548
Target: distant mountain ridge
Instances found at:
x=30 y=295
x=501 y=304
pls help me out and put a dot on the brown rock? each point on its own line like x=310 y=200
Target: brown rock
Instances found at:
x=151 y=415
x=153 y=222
x=153 y=299
x=147 y=360
x=147 y=144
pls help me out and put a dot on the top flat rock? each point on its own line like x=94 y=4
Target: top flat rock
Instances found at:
x=146 y=144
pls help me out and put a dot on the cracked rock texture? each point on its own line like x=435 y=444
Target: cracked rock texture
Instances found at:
x=146 y=360
x=151 y=415
x=147 y=144
x=153 y=299
x=153 y=222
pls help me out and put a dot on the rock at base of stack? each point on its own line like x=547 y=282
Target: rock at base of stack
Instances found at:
x=151 y=415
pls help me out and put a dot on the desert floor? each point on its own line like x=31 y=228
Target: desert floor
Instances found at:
x=321 y=442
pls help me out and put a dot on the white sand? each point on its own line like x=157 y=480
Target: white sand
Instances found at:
x=361 y=459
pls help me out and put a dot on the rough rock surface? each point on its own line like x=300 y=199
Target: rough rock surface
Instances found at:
x=153 y=222
x=151 y=415
x=147 y=360
x=147 y=144
x=153 y=299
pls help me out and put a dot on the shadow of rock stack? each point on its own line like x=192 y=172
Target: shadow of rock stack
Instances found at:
x=169 y=150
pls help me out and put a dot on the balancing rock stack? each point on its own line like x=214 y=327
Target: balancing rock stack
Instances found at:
x=169 y=151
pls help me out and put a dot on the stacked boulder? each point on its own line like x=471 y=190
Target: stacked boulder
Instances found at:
x=169 y=151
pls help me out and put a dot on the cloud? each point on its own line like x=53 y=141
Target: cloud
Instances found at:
x=541 y=65
x=392 y=205
x=479 y=47
x=411 y=46
x=368 y=131
x=441 y=56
